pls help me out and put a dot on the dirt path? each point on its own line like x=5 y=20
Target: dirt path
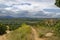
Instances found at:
x=3 y=37
x=35 y=34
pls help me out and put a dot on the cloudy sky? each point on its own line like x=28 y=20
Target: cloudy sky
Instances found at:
x=29 y=8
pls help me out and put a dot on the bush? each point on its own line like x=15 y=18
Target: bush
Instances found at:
x=41 y=35
x=3 y=29
x=57 y=29
x=13 y=27
x=22 y=33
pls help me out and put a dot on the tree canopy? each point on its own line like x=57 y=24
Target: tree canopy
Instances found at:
x=57 y=3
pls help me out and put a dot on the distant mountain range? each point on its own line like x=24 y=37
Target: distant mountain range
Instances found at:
x=6 y=17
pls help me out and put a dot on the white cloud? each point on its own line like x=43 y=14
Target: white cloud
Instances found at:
x=36 y=5
x=39 y=5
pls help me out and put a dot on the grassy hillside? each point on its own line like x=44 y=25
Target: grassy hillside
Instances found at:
x=22 y=33
x=48 y=29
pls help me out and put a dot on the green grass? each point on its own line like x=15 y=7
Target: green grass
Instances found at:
x=42 y=31
x=22 y=33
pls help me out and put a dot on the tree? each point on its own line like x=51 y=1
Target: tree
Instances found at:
x=57 y=3
x=3 y=29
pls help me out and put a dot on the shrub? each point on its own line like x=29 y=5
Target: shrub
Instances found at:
x=13 y=27
x=22 y=33
x=41 y=35
x=3 y=29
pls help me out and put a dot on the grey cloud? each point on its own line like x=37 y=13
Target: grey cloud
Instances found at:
x=3 y=6
x=52 y=10
x=25 y=4
x=38 y=14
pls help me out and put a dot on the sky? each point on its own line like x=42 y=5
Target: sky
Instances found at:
x=29 y=8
